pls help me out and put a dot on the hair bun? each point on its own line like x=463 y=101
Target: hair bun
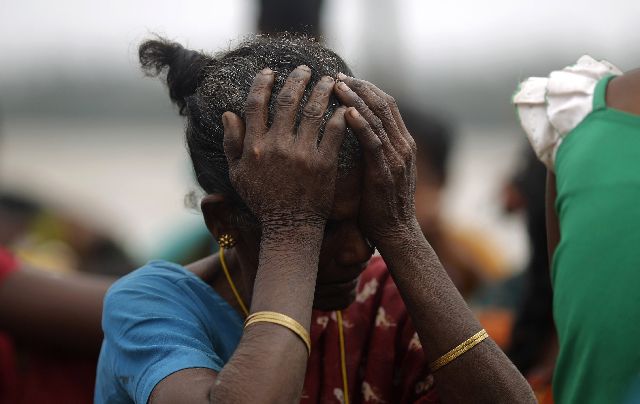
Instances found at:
x=183 y=67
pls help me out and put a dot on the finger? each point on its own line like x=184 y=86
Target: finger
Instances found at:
x=385 y=106
x=349 y=98
x=376 y=103
x=334 y=133
x=233 y=136
x=288 y=100
x=314 y=110
x=371 y=145
x=256 y=108
x=395 y=111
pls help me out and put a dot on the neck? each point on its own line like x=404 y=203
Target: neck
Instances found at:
x=242 y=273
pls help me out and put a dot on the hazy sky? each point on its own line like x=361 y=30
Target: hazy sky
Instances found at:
x=462 y=34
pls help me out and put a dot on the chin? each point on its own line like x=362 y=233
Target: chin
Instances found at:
x=336 y=296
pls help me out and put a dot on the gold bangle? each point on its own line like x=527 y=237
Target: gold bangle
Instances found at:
x=459 y=350
x=283 y=320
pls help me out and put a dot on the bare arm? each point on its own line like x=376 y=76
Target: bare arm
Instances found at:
x=442 y=318
x=291 y=201
x=60 y=311
x=553 y=227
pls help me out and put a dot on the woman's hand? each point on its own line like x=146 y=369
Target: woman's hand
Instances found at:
x=387 y=209
x=281 y=172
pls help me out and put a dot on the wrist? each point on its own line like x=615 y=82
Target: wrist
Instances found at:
x=400 y=238
x=292 y=223
x=291 y=234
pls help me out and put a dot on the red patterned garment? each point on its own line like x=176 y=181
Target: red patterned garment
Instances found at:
x=384 y=357
x=40 y=376
x=8 y=264
x=8 y=375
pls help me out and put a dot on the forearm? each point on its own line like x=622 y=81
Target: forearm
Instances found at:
x=62 y=311
x=269 y=364
x=443 y=320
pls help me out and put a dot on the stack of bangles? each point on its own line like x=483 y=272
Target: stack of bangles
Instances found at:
x=283 y=320
x=459 y=350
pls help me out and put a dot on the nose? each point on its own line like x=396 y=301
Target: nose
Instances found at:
x=352 y=248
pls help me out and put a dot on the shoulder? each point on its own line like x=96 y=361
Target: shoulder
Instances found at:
x=158 y=289
x=158 y=320
x=153 y=277
x=623 y=92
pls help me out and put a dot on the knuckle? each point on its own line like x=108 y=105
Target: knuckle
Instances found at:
x=256 y=152
x=380 y=106
x=324 y=86
x=286 y=99
x=357 y=85
x=363 y=126
x=391 y=101
x=397 y=168
x=413 y=145
x=376 y=125
x=253 y=103
x=405 y=151
x=359 y=103
x=313 y=110
x=334 y=126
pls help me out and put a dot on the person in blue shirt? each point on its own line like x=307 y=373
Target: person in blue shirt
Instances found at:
x=304 y=175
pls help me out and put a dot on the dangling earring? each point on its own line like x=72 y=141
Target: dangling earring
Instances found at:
x=226 y=241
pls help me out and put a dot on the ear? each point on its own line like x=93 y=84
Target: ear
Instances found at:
x=217 y=213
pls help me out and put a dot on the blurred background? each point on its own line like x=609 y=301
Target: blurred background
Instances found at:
x=83 y=131
x=94 y=170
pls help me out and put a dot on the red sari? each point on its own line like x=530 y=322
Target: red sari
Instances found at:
x=384 y=357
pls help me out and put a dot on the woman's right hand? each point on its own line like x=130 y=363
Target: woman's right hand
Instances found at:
x=281 y=172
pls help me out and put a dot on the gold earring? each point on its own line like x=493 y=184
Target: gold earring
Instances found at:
x=226 y=241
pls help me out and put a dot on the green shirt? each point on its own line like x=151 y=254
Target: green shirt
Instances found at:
x=596 y=266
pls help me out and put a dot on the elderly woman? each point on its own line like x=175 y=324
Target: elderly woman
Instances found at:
x=304 y=176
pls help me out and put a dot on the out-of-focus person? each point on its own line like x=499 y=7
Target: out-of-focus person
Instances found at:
x=53 y=239
x=583 y=123
x=467 y=255
x=532 y=343
x=50 y=310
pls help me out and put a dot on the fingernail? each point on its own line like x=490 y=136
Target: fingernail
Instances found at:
x=304 y=67
x=341 y=76
x=266 y=71
x=225 y=120
x=327 y=79
x=354 y=113
x=343 y=86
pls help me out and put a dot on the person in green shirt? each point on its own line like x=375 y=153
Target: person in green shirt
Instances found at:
x=584 y=124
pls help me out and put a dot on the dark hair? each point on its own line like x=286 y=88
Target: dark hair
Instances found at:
x=434 y=139
x=204 y=87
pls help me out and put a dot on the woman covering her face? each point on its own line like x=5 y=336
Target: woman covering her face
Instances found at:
x=304 y=175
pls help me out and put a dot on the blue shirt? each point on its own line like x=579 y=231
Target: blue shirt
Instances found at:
x=158 y=320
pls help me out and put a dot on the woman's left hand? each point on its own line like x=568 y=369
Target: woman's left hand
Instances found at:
x=387 y=208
